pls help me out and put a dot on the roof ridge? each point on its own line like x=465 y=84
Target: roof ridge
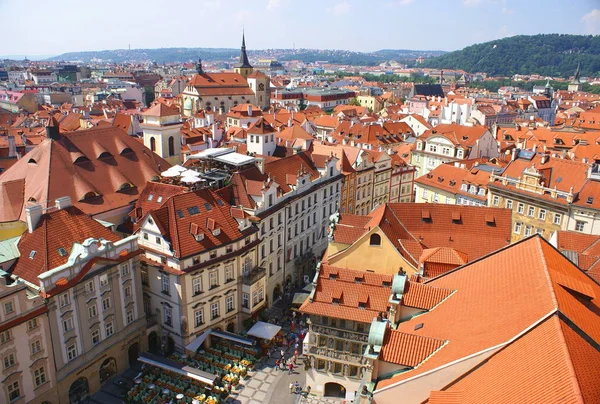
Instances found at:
x=569 y=361
x=483 y=256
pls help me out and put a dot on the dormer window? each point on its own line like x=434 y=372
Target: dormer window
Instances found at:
x=464 y=187
x=216 y=232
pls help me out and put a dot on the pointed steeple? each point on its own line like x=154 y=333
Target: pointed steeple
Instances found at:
x=243 y=62
x=199 y=66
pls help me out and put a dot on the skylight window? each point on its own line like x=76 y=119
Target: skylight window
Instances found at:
x=180 y=213
x=32 y=254
x=193 y=210
x=418 y=326
x=207 y=206
x=159 y=199
x=150 y=197
x=62 y=252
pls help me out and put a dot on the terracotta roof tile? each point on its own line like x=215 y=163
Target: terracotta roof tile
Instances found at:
x=50 y=172
x=56 y=229
x=407 y=349
x=351 y=288
x=496 y=299
x=423 y=296
x=177 y=215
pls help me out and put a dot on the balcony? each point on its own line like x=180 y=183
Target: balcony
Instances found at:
x=254 y=275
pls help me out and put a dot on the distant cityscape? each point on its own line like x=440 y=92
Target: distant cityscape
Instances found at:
x=195 y=225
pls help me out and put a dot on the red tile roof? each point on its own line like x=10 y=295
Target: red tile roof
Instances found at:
x=341 y=283
x=211 y=209
x=56 y=229
x=523 y=288
x=52 y=170
x=407 y=349
x=161 y=109
x=423 y=296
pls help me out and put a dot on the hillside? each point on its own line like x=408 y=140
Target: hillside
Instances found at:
x=163 y=55
x=554 y=55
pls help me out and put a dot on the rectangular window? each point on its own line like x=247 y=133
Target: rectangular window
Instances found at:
x=214 y=310
x=531 y=211
x=520 y=208
x=14 y=391
x=9 y=360
x=199 y=317
x=509 y=204
x=213 y=278
x=168 y=316
x=68 y=324
x=63 y=300
x=89 y=286
x=229 y=303
x=36 y=346
x=579 y=225
x=31 y=324
x=254 y=298
x=197 y=286
x=71 y=352
x=106 y=303
x=40 y=376
x=92 y=312
x=542 y=214
x=125 y=269
x=165 y=284
x=95 y=337
x=261 y=295
x=103 y=280
x=4 y=336
x=517 y=228
x=495 y=200
x=528 y=230
x=245 y=299
x=557 y=218
x=130 y=317
x=144 y=276
x=109 y=329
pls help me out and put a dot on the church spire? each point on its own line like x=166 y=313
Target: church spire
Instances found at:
x=243 y=62
x=199 y=67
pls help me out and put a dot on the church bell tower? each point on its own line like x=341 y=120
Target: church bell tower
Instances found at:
x=243 y=66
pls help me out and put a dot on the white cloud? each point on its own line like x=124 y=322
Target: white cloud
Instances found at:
x=471 y=2
x=273 y=4
x=341 y=8
x=592 y=22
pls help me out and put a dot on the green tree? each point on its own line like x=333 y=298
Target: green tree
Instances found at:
x=149 y=94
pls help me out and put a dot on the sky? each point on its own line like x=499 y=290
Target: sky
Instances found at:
x=42 y=27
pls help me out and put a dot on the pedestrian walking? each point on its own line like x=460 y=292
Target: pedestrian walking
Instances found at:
x=277 y=364
x=282 y=353
x=291 y=387
x=291 y=368
x=294 y=358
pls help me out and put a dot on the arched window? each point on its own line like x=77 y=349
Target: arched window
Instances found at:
x=171 y=146
x=152 y=144
x=375 y=239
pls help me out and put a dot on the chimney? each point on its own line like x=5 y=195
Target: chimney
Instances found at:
x=515 y=151
x=63 y=202
x=544 y=158
x=12 y=147
x=260 y=164
x=290 y=122
x=33 y=214
x=249 y=109
x=52 y=129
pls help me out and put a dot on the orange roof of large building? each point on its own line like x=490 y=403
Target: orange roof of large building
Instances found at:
x=415 y=227
x=161 y=109
x=459 y=135
x=338 y=294
x=101 y=169
x=511 y=300
x=200 y=211
x=50 y=244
